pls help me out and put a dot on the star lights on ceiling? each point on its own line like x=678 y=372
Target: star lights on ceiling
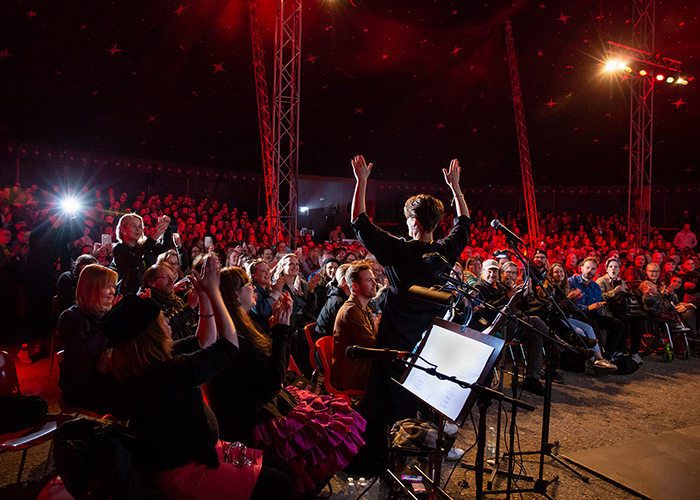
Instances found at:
x=563 y=18
x=679 y=103
x=311 y=59
x=550 y=103
x=5 y=53
x=218 y=67
x=113 y=50
x=179 y=10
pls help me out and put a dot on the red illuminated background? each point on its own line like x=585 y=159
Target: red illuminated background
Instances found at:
x=409 y=83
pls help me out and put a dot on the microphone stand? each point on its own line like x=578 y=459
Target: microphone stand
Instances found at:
x=540 y=486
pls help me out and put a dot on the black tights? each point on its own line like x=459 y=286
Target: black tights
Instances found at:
x=276 y=479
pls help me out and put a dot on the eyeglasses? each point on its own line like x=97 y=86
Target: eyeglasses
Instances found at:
x=166 y=276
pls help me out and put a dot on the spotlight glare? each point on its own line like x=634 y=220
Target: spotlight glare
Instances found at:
x=622 y=66
x=660 y=78
x=680 y=81
x=642 y=72
x=611 y=66
x=70 y=205
x=304 y=210
x=670 y=79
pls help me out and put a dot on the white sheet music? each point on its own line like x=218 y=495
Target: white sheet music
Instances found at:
x=454 y=355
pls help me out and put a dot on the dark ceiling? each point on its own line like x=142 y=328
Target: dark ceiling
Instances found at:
x=409 y=83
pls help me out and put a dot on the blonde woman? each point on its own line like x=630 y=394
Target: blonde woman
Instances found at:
x=302 y=292
x=80 y=381
x=135 y=251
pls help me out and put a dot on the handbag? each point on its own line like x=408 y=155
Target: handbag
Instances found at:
x=625 y=306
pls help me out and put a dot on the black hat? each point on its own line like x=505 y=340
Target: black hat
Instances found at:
x=329 y=259
x=540 y=250
x=131 y=316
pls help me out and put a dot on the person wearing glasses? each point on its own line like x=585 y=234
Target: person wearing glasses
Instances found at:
x=160 y=280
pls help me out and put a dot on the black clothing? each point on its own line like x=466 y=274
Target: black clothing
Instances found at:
x=250 y=381
x=80 y=380
x=326 y=318
x=166 y=409
x=132 y=262
x=183 y=319
x=404 y=318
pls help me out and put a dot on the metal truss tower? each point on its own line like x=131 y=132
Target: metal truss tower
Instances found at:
x=649 y=68
x=285 y=125
x=641 y=126
x=265 y=122
x=523 y=144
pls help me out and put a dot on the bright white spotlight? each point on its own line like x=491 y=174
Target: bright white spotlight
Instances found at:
x=611 y=65
x=70 y=205
x=622 y=66
x=304 y=210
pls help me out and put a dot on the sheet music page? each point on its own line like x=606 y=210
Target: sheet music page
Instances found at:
x=455 y=355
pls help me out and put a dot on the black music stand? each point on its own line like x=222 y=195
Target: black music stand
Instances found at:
x=470 y=356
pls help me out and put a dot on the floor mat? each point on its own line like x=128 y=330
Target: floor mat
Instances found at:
x=659 y=467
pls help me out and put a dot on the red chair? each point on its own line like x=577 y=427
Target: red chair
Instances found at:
x=325 y=352
x=308 y=330
x=42 y=431
x=293 y=366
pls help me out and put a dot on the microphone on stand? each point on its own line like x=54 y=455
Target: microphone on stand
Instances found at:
x=432 y=295
x=510 y=235
x=357 y=352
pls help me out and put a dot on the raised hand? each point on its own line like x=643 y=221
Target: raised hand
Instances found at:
x=208 y=280
x=452 y=175
x=282 y=310
x=360 y=168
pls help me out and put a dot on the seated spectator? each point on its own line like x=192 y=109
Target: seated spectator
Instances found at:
x=564 y=295
x=354 y=325
x=339 y=291
x=327 y=272
x=615 y=294
x=103 y=254
x=265 y=253
x=135 y=251
x=181 y=314
x=541 y=266
x=491 y=290
x=635 y=274
x=318 y=440
x=183 y=456
x=81 y=379
x=472 y=272
x=171 y=258
x=658 y=306
x=67 y=283
x=267 y=293
x=691 y=280
x=302 y=292
x=668 y=270
x=687 y=310
x=591 y=302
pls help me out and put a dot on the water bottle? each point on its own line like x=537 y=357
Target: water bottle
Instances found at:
x=351 y=489
x=361 y=486
x=490 y=445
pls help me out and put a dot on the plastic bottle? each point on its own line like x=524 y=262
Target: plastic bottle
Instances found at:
x=361 y=486
x=351 y=489
x=490 y=452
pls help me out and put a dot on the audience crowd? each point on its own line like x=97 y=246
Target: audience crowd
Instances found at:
x=211 y=299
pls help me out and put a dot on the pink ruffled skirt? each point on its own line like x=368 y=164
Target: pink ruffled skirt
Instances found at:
x=318 y=438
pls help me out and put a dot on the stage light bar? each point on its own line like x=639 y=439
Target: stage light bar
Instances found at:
x=660 y=77
x=681 y=81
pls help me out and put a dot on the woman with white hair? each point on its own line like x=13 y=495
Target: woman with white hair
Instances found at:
x=135 y=251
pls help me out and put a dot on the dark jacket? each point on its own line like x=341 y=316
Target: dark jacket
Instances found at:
x=132 y=262
x=326 y=318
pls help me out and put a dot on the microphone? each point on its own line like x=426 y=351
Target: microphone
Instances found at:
x=510 y=235
x=357 y=352
x=429 y=257
x=431 y=295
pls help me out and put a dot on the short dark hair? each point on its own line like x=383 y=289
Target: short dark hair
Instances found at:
x=352 y=275
x=426 y=209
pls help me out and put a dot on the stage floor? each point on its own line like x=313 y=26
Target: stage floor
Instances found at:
x=660 y=467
